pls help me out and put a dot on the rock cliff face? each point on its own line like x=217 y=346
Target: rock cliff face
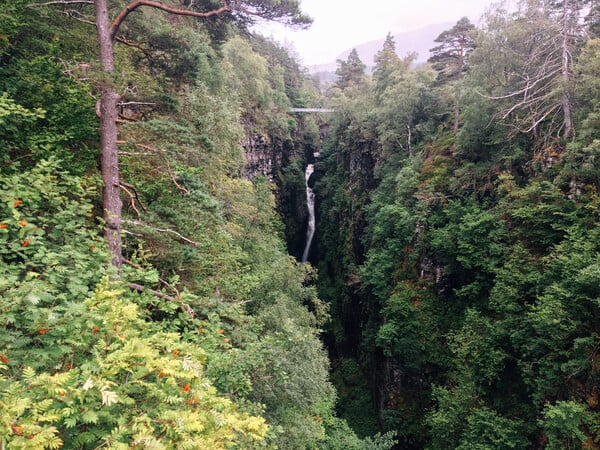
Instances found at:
x=282 y=162
x=259 y=155
x=267 y=155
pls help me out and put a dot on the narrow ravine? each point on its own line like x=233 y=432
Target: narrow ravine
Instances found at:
x=310 y=202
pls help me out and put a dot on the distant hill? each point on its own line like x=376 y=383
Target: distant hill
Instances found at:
x=419 y=40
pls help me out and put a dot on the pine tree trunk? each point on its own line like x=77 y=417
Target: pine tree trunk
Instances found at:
x=109 y=100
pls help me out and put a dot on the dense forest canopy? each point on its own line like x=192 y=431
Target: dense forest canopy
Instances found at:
x=152 y=211
x=458 y=243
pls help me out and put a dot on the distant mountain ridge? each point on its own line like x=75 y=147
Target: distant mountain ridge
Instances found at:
x=419 y=41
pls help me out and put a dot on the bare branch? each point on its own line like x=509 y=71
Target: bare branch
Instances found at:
x=137 y=104
x=124 y=40
x=131 y=233
x=524 y=90
x=131 y=198
x=139 y=267
x=174 y=180
x=135 y=153
x=140 y=288
x=63 y=2
x=172 y=10
x=162 y=230
x=75 y=15
x=150 y=149
x=137 y=195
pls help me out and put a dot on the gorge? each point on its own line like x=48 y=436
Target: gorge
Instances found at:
x=413 y=264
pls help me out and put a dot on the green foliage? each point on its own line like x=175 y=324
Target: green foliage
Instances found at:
x=125 y=384
x=97 y=365
x=250 y=85
x=486 y=429
x=471 y=300
x=460 y=271
x=472 y=245
x=450 y=57
x=562 y=423
x=539 y=214
x=60 y=119
x=350 y=72
x=222 y=347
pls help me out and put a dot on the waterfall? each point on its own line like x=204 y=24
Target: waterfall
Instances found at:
x=310 y=202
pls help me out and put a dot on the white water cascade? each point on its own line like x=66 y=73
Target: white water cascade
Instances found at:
x=310 y=202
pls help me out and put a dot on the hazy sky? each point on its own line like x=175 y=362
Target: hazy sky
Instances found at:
x=341 y=24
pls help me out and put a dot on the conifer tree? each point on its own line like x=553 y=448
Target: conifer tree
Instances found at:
x=387 y=62
x=451 y=57
x=351 y=71
x=107 y=30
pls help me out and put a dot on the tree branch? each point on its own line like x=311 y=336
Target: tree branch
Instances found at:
x=165 y=283
x=75 y=15
x=140 y=288
x=174 y=180
x=145 y=51
x=133 y=196
x=132 y=199
x=63 y=2
x=162 y=230
x=172 y=10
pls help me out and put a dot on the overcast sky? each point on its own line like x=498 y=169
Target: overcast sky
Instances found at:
x=342 y=24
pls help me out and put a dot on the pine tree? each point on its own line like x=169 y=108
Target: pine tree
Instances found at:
x=451 y=57
x=387 y=62
x=351 y=71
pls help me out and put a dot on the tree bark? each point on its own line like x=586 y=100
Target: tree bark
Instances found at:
x=109 y=100
x=109 y=155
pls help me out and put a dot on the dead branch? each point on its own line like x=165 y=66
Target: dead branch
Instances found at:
x=172 y=10
x=152 y=149
x=140 y=288
x=162 y=230
x=136 y=153
x=137 y=104
x=126 y=187
x=174 y=180
x=76 y=15
x=145 y=51
x=165 y=283
x=131 y=233
x=132 y=199
x=155 y=150
x=63 y=2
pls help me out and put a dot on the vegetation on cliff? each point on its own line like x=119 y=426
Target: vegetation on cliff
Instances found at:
x=207 y=333
x=457 y=249
x=458 y=235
